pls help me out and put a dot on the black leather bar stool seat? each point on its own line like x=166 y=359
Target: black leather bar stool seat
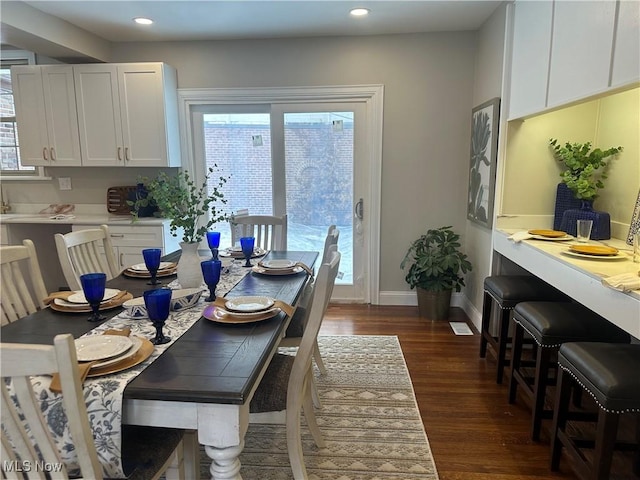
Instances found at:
x=610 y=373
x=506 y=291
x=551 y=324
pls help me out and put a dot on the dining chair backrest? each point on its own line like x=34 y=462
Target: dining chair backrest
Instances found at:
x=86 y=251
x=333 y=235
x=19 y=363
x=269 y=231
x=23 y=289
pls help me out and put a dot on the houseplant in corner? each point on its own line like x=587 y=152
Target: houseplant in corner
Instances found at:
x=191 y=209
x=584 y=175
x=435 y=267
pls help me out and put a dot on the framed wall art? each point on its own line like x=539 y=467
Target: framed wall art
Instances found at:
x=482 y=168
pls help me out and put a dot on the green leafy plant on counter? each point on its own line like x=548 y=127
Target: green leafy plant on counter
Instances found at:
x=435 y=261
x=184 y=203
x=586 y=169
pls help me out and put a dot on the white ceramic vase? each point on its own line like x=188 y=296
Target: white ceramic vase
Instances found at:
x=189 y=270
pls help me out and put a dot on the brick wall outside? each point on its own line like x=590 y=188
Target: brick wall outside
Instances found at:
x=318 y=172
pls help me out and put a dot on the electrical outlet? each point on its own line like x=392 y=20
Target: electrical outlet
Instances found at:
x=64 y=183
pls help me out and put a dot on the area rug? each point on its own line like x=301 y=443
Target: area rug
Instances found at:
x=369 y=419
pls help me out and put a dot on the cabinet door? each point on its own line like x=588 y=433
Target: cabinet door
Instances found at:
x=99 y=115
x=143 y=114
x=626 y=51
x=581 y=51
x=61 y=116
x=530 y=57
x=30 y=115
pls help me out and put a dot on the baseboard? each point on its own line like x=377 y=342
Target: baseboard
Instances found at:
x=411 y=299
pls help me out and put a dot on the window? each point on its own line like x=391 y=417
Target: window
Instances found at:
x=10 y=164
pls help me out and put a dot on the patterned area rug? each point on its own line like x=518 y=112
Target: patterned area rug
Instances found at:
x=369 y=419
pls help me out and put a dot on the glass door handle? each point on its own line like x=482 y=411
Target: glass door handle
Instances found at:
x=359 y=209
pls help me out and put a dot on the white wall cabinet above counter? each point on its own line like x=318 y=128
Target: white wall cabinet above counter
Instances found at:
x=565 y=51
x=110 y=114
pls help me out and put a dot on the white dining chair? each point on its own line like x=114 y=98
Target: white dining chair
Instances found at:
x=269 y=231
x=23 y=289
x=153 y=451
x=86 y=251
x=285 y=388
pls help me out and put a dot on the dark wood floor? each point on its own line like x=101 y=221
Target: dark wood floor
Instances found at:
x=473 y=432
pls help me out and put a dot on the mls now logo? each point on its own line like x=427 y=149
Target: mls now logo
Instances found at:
x=29 y=466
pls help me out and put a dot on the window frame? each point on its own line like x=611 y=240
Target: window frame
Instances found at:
x=20 y=57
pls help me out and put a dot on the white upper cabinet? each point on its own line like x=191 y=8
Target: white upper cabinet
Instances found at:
x=127 y=114
x=581 y=49
x=626 y=53
x=564 y=51
x=530 y=57
x=46 y=115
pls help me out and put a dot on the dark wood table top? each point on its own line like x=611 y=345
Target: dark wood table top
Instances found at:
x=211 y=362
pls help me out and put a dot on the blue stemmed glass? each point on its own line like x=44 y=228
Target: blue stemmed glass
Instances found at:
x=152 y=262
x=158 y=303
x=211 y=273
x=213 y=239
x=247 y=243
x=93 y=285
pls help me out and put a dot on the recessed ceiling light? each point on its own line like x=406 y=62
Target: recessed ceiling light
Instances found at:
x=359 y=12
x=143 y=21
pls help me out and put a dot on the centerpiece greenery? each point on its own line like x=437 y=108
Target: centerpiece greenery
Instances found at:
x=436 y=266
x=184 y=203
x=586 y=168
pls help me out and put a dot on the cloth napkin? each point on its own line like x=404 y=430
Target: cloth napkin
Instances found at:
x=625 y=282
x=84 y=367
x=519 y=236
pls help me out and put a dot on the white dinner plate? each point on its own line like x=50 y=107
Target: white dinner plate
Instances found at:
x=617 y=256
x=136 y=343
x=257 y=252
x=553 y=239
x=101 y=347
x=141 y=267
x=278 y=264
x=78 y=297
x=249 y=304
x=277 y=271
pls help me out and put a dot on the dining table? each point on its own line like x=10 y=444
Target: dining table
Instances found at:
x=205 y=379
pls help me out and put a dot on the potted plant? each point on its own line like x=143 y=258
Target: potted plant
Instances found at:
x=584 y=175
x=435 y=267
x=191 y=210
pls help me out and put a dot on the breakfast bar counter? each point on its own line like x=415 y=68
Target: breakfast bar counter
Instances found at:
x=579 y=277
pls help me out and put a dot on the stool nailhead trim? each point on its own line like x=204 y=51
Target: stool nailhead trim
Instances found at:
x=498 y=301
x=555 y=345
x=628 y=410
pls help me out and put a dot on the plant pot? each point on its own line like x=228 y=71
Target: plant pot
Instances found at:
x=565 y=200
x=189 y=270
x=601 y=229
x=434 y=305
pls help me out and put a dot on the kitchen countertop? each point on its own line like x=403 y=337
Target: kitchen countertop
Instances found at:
x=79 y=219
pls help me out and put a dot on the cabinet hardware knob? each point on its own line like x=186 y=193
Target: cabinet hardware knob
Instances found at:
x=119 y=154
x=53 y=155
x=44 y=154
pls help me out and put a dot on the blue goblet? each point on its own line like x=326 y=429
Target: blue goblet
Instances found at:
x=213 y=239
x=211 y=273
x=158 y=303
x=247 y=243
x=152 y=262
x=93 y=285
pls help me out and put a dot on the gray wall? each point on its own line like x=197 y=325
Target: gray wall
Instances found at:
x=429 y=88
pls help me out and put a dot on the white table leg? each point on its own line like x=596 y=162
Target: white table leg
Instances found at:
x=226 y=462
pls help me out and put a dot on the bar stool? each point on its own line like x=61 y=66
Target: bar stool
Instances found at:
x=609 y=373
x=551 y=324
x=506 y=291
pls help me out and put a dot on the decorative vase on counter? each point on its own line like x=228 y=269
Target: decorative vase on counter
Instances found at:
x=601 y=229
x=565 y=200
x=189 y=271
x=140 y=193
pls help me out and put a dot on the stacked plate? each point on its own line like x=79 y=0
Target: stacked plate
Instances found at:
x=597 y=252
x=236 y=252
x=242 y=310
x=543 y=234
x=140 y=270
x=76 y=302
x=277 y=267
x=112 y=353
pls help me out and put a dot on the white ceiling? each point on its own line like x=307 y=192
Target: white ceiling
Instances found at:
x=235 y=19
